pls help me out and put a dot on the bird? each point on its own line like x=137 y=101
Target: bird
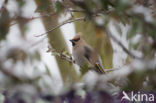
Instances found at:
x=83 y=53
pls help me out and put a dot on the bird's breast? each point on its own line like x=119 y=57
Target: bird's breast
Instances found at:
x=78 y=56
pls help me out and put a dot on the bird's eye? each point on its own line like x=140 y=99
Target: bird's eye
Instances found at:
x=76 y=39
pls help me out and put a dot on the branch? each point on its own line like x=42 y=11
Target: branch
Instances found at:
x=17 y=78
x=10 y=74
x=66 y=22
x=32 y=18
x=61 y=54
x=3 y=5
x=112 y=69
x=45 y=15
x=74 y=10
x=121 y=45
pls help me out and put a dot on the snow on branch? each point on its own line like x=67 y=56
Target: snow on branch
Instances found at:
x=108 y=32
x=63 y=54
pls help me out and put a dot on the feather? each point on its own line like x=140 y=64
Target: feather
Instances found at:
x=100 y=68
x=87 y=53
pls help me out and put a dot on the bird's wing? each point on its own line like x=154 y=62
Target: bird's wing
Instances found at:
x=94 y=59
x=88 y=53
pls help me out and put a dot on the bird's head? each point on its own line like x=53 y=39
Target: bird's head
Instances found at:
x=76 y=40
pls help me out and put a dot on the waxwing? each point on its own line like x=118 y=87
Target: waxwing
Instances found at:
x=84 y=53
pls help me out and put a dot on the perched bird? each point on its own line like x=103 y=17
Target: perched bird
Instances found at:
x=83 y=53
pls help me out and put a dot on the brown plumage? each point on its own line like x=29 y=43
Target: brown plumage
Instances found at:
x=83 y=53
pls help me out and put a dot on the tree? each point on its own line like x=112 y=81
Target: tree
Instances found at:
x=56 y=40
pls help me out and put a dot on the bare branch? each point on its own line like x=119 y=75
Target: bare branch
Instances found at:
x=66 y=22
x=17 y=78
x=111 y=69
x=3 y=5
x=32 y=18
x=61 y=55
x=45 y=15
x=74 y=10
x=121 y=45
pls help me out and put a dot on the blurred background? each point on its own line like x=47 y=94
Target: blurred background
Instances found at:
x=35 y=52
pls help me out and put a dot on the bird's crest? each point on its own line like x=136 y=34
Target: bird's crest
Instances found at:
x=77 y=36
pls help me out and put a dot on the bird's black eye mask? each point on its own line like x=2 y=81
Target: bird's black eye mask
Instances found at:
x=73 y=44
x=74 y=40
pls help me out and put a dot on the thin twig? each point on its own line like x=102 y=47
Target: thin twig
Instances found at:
x=13 y=24
x=17 y=78
x=61 y=55
x=45 y=15
x=112 y=69
x=66 y=22
x=33 y=18
x=121 y=45
x=74 y=10
x=36 y=43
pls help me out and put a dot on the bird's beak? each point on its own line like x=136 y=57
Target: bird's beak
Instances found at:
x=71 y=40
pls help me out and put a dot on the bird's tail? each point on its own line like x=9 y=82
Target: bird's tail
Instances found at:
x=99 y=68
